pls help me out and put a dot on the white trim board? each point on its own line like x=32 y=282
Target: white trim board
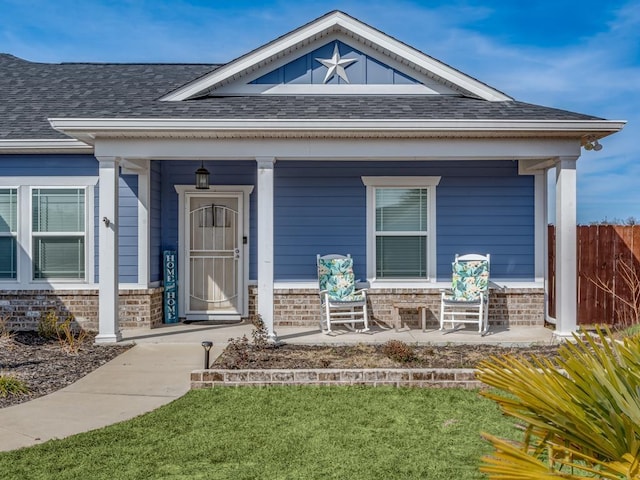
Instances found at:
x=44 y=145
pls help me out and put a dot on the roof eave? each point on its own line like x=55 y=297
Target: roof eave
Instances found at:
x=44 y=145
x=88 y=129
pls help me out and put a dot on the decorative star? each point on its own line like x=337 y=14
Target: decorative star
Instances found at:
x=335 y=65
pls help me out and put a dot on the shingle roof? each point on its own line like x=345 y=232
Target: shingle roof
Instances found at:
x=32 y=92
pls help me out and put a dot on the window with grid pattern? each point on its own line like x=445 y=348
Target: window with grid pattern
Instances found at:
x=58 y=230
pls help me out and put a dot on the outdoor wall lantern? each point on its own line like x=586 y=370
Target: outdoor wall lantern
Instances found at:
x=202 y=178
x=207 y=348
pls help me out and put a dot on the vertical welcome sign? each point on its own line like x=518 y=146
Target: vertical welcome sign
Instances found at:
x=170 y=287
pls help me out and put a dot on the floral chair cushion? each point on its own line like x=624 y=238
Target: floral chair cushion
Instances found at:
x=337 y=279
x=469 y=280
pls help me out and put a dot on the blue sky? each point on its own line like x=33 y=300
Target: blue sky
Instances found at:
x=575 y=55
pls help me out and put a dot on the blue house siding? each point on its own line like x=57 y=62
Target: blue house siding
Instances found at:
x=482 y=206
x=318 y=208
x=128 y=233
x=48 y=165
x=483 y=214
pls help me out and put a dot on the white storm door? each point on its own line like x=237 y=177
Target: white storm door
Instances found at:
x=214 y=263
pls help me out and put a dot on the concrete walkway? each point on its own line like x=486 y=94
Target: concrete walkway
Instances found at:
x=156 y=371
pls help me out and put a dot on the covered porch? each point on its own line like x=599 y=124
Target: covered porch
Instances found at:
x=363 y=143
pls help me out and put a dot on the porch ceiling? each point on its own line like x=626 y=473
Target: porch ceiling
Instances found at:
x=338 y=149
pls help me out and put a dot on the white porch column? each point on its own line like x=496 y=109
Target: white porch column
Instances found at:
x=144 y=232
x=108 y=328
x=265 y=242
x=566 y=249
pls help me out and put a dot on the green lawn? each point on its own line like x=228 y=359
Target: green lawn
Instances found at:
x=281 y=433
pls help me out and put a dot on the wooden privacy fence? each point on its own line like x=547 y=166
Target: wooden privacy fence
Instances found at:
x=604 y=253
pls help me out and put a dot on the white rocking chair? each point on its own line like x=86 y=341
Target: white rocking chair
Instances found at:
x=340 y=301
x=468 y=299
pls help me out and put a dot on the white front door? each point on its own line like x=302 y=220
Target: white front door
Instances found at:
x=213 y=254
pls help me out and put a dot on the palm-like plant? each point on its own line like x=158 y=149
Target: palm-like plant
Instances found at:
x=581 y=417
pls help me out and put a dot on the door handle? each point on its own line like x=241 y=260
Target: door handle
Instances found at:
x=236 y=253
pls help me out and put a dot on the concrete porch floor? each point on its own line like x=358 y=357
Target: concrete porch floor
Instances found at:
x=220 y=334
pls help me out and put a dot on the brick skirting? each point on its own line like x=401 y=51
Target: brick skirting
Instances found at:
x=301 y=307
x=375 y=377
x=22 y=309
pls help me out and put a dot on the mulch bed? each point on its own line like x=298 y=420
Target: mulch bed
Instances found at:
x=45 y=366
x=243 y=355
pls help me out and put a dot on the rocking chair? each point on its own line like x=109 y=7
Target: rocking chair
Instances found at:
x=468 y=299
x=340 y=301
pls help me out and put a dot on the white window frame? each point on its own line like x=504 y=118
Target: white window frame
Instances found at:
x=14 y=234
x=25 y=187
x=428 y=183
x=76 y=234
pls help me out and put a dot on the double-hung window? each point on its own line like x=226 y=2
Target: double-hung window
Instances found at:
x=401 y=227
x=58 y=233
x=45 y=225
x=8 y=233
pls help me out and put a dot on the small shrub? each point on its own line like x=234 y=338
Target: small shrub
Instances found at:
x=68 y=335
x=48 y=325
x=6 y=335
x=237 y=351
x=259 y=334
x=631 y=331
x=10 y=385
x=399 y=351
x=70 y=339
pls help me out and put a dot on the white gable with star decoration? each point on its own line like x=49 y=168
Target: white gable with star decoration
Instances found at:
x=336 y=54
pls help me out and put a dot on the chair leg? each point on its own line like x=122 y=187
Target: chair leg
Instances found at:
x=365 y=317
x=328 y=315
x=486 y=317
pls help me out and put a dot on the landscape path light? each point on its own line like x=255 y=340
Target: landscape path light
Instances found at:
x=207 y=348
